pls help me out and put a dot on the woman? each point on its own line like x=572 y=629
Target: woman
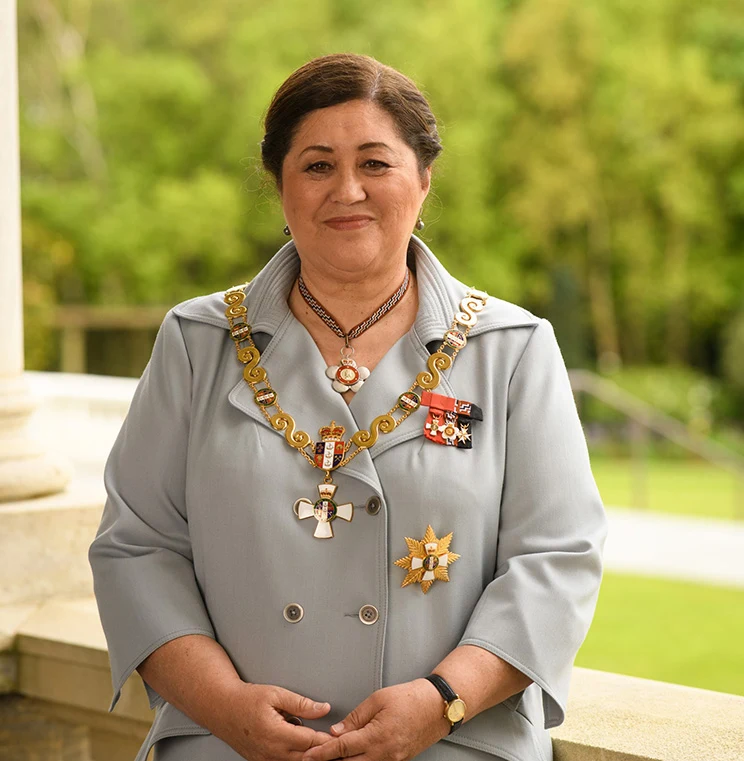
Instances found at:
x=450 y=484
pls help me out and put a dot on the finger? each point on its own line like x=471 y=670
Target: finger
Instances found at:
x=357 y=718
x=351 y=744
x=297 y=755
x=300 y=739
x=299 y=705
x=320 y=739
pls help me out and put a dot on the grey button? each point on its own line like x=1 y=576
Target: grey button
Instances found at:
x=293 y=612
x=373 y=505
x=368 y=614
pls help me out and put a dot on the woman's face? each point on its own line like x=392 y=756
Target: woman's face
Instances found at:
x=351 y=190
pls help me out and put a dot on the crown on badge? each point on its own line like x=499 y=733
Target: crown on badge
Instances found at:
x=332 y=432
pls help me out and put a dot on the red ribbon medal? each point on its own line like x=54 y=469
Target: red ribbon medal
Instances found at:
x=450 y=420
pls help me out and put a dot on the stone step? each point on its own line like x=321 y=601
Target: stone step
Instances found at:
x=44 y=545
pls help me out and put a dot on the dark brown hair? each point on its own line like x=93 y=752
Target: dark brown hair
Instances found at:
x=338 y=78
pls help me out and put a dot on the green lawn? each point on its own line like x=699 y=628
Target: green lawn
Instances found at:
x=685 y=487
x=672 y=631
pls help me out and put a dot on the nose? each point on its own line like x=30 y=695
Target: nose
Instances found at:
x=348 y=187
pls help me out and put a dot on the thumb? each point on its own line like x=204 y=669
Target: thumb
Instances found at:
x=359 y=717
x=298 y=705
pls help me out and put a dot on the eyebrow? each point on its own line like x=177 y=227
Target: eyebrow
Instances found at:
x=362 y=147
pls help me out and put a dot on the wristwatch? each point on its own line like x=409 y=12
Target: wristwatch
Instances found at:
x=454 y=706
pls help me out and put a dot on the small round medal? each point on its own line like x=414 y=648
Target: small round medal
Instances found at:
x=266 y=397
x=455 y=338
x=325 y=510
x=347 y=374
x=430 y=562
x=409 y=401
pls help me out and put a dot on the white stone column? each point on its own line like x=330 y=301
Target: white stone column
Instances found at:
x=25 y=470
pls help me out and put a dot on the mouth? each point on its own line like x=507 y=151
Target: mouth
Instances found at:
x=354 y=222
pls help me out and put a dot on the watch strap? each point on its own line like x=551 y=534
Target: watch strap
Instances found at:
x=447 y=693
x=444 y=689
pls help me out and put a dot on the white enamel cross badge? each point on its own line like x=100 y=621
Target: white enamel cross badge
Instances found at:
x=324 y=510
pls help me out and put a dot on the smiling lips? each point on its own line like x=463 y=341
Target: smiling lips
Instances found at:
x=354 y=222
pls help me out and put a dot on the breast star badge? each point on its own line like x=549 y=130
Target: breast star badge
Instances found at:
x=428 y=561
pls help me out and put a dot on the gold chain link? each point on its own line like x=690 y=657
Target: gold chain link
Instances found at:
x=427 y=380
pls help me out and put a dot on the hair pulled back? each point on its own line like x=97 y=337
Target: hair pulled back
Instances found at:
x=338 y=78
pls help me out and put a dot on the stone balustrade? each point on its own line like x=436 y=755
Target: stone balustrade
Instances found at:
x=61 y=671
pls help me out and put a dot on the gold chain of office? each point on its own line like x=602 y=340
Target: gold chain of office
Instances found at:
x=408 y=402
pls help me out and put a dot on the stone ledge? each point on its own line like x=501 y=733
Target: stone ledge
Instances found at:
x=63 y=666
x=61 y=657
x=44 y=545
x=612 y=717
x=28 y=733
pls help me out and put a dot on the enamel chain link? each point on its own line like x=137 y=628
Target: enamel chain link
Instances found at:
x=408 y=402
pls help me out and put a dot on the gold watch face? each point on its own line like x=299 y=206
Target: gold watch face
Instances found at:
x=456 y=710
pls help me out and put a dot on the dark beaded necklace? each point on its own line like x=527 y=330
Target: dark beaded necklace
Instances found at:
x=347 y=376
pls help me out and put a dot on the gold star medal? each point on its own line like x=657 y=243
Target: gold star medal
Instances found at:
x=428 y=560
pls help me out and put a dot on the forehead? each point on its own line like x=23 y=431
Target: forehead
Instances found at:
x=353 y=123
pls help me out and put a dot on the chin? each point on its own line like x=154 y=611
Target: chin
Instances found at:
x=351 y=250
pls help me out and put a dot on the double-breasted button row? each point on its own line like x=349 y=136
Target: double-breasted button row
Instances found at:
x=294 y=613
x=373 y=505
x=368 y=614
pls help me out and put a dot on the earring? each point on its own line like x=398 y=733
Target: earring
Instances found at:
x=420 y=224
x=286 y=230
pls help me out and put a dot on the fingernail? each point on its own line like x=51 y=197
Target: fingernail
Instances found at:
x=319 y=706
x=338 y=727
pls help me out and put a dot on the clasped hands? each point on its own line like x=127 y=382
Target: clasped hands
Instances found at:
x=393 y=724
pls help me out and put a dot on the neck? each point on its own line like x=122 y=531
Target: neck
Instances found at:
x=351 y=301
x=352 y=298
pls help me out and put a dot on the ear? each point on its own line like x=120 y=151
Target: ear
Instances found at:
x=426 y=181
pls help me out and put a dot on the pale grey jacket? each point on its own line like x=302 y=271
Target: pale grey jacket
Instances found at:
x=198 y=533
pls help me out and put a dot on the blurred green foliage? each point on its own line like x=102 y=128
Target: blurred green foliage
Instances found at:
x=681 y=392
x=593 y=168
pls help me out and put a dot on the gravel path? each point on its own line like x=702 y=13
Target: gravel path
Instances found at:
x=675 y=547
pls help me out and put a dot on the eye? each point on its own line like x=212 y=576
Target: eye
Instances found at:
x=318 y=167
x=376 y=164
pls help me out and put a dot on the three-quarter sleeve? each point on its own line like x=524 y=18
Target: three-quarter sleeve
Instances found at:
x=141 y=558
x=537 y=610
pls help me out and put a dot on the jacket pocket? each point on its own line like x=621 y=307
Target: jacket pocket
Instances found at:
x=169 y=722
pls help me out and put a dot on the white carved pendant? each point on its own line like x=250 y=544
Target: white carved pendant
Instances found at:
x=347 y=376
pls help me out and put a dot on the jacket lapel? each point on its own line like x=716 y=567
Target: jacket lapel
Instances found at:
x=296 y=367
x=391 y=377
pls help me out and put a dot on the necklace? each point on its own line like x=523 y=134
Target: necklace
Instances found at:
x=331 y=452
x=347 y=375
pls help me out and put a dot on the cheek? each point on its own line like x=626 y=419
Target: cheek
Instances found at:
x=299 y=201
x=402 y=198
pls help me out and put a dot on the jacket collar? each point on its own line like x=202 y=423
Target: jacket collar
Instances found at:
x=290 y=354
x=439 y=298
